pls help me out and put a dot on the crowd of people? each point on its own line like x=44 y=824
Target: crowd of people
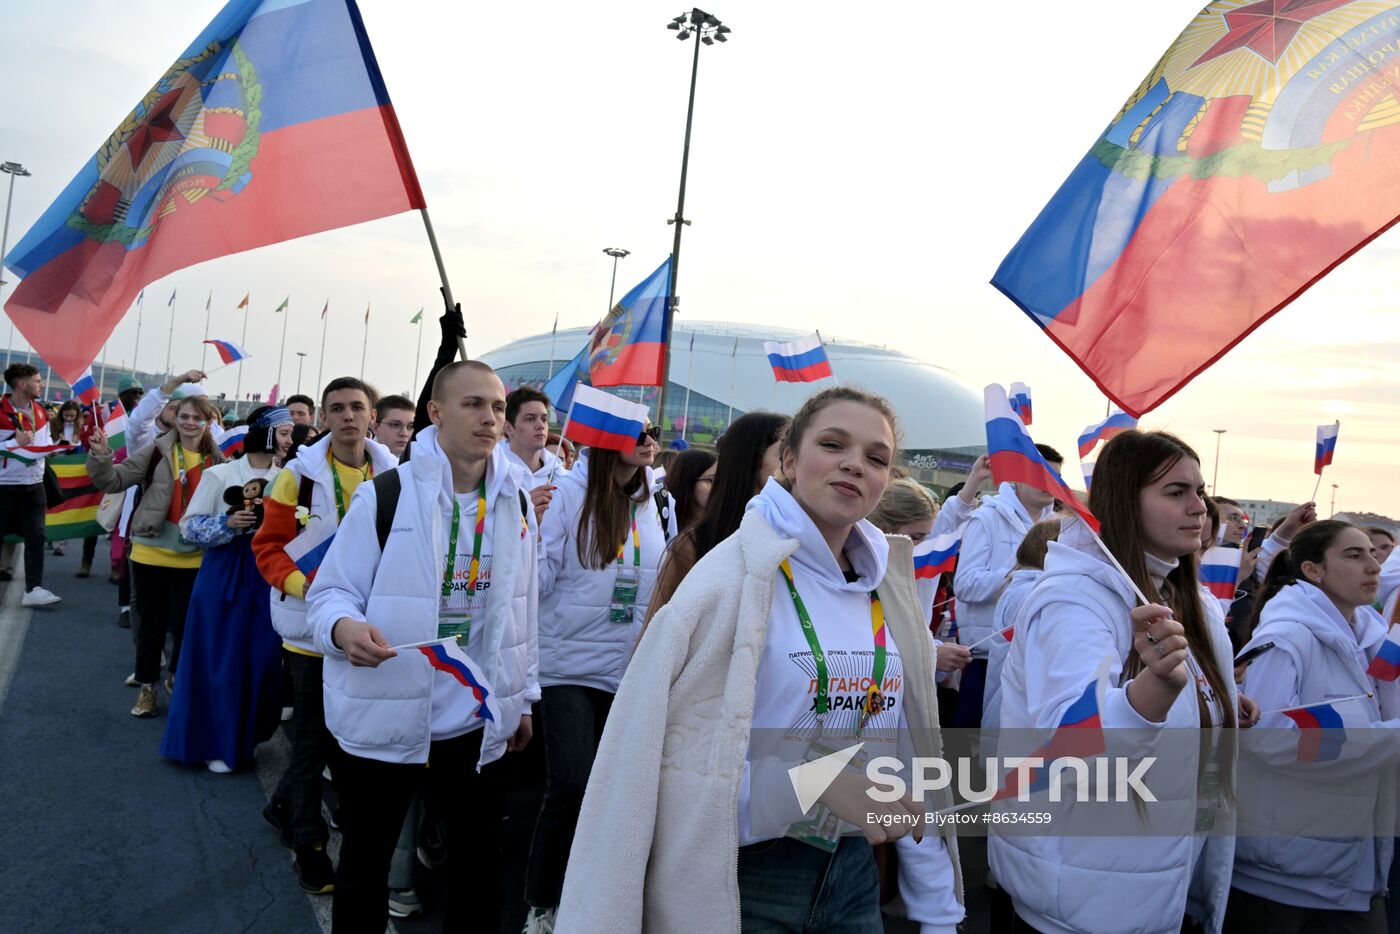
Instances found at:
x=652 y=650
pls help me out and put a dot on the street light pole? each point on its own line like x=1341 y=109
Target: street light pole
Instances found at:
x=1332 y=510
x=1215 y=474
x=708 y=30
x=11 y=169
x=301 y=358
x=616 y=253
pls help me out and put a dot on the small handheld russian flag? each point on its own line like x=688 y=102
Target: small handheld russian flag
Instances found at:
x=1088 y=468
x=1220 y=572
x=228 y=351
x=600 y=420
x=936 y=555
x=1015 y=458
x=448 y=657
x=231 y=444
x=1079 y=735
x=85 y=389
x=1386 y=665
x=801 y=361
x=1326 y=446
x=1020 y=398
x=1116 y=423
x=311 y=544
x=1321 y=731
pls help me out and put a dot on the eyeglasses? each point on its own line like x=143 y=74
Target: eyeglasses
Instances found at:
x=654 y=433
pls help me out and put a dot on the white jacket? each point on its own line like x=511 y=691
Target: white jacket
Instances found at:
x=1317 y=655
x=1390 y=578
x=657 y=839
x=385 y=713
x=551 y=467
x=985 y=560
x=289 y=612
x=1076 y=616
x=578 y=643
x=1008 y=613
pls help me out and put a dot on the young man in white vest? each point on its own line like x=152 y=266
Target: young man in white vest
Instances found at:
x=527 y=431
x=427 y=569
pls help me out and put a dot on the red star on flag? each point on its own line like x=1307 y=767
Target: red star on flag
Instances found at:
x=159 y=127
x=1266 y=28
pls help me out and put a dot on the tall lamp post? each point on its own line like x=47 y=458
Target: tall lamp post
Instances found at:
x=708 y=30
x=616 y=253
x=301 y=358
x=1332 y=510
x=1215 y=474
x=11 y=169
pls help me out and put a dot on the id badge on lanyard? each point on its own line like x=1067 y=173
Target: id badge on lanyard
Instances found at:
x=457 y=620
x=623 y=607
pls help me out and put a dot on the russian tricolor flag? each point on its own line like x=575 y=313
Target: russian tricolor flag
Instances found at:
x=309 y=548
x=448 y=657
x=1326 y=446
x=1015 y=458
x=1021 y=401
x=800 y=361
x=1386 y=665
x=1220 y=572
x=85 y=388
x=229 y=352
x=600 y=420
x=1088 y=468
x=1322 y=732
x=1115 y=424
x=936 y=555
x=1079 y=735
x=231 y=444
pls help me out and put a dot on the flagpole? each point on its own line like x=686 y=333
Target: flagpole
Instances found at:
x=1316 y=486
x=136 y=352
x=1321 y=703
x=321 y=361
x=243 y=343
x=733 y=362
x=559 y=448
x=442 y=273
x=102 y=380
x=689 y=378
x=418 y=358
x=282 y=351
x=553 y=332
x=170 y=339
x=204 y=354
x=365 y=349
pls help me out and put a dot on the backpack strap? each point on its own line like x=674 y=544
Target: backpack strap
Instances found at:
x=387 y=487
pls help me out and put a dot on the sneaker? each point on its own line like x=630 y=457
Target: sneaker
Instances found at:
x=313 y=869
x=540 y=921
x=145 y=702
x=218 y=766
x=124 y=620
x=404 y=903
x=40 y=597
x=279 y=815
x=59 y=551
x=131 y=681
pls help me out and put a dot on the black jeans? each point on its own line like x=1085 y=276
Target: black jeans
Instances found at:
x=22 y=510
x=165 y=599
x=374 y=798
x=569 y=720
x=312 y=747
x=788 y=886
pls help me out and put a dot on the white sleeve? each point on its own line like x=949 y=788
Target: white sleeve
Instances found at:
x=140 y=421
x=343 y=582
x=976 y=579
x=554 y=539
x=530 y=549
x=1390 y=576
x=1271 y=548
x=926 y=883
x=953 y=515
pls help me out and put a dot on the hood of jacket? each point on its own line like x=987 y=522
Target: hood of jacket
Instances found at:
x=435 y=467
x=867 y=548
x=1008 y=504
x=1075 y=553
x=1304 y=604
x=314 y=460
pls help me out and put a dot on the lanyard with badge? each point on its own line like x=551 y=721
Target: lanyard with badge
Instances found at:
x=623 y=607
x=457 y=620
x=367 y=472
x=823 y=828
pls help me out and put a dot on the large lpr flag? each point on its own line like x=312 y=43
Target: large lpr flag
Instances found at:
x=273 y=124
x=1260 y=152
x=628 y=347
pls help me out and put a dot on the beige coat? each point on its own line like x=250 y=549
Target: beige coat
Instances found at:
x=149 y=517
x=657 y=842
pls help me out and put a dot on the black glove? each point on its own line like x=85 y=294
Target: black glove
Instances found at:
x=452 y=322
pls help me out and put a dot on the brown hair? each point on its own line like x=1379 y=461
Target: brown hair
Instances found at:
x=1128 y=463
x=905 y=501
x=56 y=423
x=206 y=411
x=1034 y=547
x=816 y=403
x=606 y=517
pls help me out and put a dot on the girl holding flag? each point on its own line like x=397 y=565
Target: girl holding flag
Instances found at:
x=691 y=820
x=67 y=428
x=1315 y=607
x=1169 y=666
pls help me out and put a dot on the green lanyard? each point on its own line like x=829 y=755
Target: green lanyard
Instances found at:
x=182 y=478
x=335 y=480
x=636 y=544
x=475 y=567
x=874 y=697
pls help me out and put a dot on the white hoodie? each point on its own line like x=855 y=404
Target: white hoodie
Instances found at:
x=388 y=713
x=578 y=643
x=1317 y=655
x=1008 y=614
x=1076 y=617
x=985 y=560
x=550 y=467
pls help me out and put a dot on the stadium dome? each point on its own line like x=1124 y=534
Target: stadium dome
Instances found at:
x=719 y=371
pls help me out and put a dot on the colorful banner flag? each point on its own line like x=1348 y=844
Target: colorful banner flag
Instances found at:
x=419 y=317
x=801 y=361
x=448 y=657
x=243 y=305
x=1220 y=573
x=114 y=426
x=1259 y=153
x=273 y=124
x=76 y=516
x=228 y=351
x=85 y=389
x=33 y=453
x=1116 y=423
x=282 y=307
x=1326 y=446
x=628 y=347
x=600 y=420
x=561 y=385
x=1014 y=456
x=936 y=555
x=1020 y=399
x=1386 y=665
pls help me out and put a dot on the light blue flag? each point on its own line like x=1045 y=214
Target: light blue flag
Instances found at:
x=560 y=387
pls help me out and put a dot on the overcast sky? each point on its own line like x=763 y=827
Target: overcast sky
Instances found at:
x=858 y=169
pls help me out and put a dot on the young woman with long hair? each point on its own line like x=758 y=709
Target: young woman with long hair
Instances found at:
x=1169 y=665
x=164 y=563
x=228 y=692
x=690 y=819
x=689 y=480
x=600 y=544
x=68 y=426
x=1315 y=607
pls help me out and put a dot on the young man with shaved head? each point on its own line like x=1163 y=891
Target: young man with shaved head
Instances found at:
x=442 y=548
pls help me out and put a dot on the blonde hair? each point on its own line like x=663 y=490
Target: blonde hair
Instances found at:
x=905 y=501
